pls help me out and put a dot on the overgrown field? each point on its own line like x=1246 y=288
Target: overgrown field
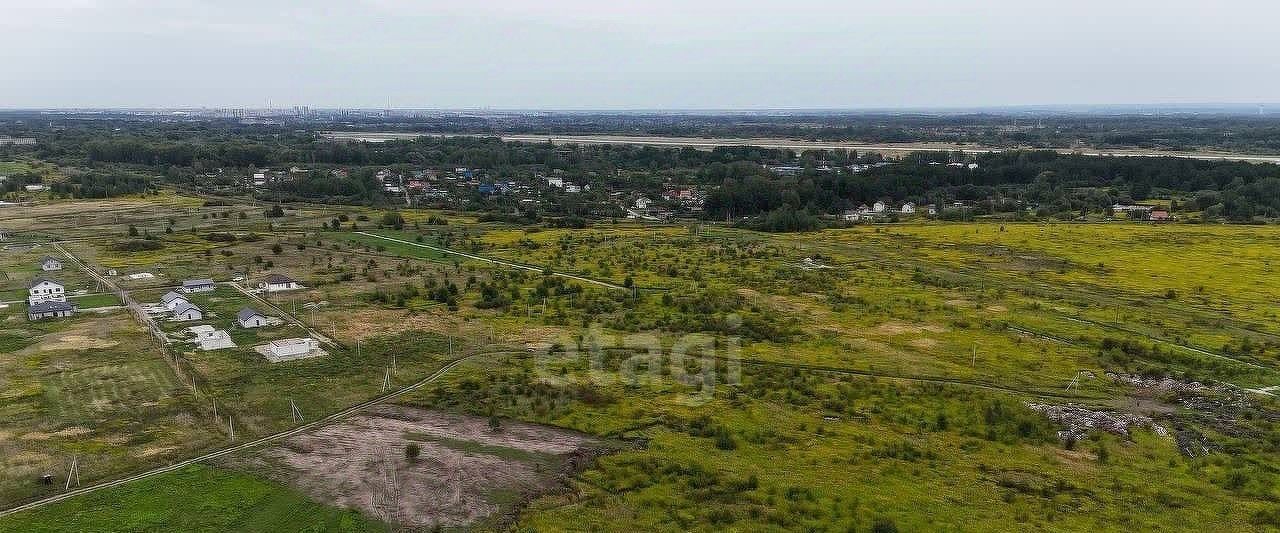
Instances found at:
x=909 y=376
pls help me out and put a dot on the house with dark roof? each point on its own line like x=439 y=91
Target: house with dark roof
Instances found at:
x=198 y=285
x=251 y=318
x=50 y=309
x=171 y=300
x=186 y=312
x=278 y=282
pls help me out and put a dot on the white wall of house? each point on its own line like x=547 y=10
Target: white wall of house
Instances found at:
x=46 y=291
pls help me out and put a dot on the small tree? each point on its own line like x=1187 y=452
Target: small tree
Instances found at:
x=412 y=451
x=494 y=423
x=133 y=230
x=276 y=249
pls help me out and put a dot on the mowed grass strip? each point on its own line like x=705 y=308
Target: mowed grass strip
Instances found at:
x=196 y=498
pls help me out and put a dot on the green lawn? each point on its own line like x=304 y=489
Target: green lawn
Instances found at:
x=196 y=498
x=90 y=301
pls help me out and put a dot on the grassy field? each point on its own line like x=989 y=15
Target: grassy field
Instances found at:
x=872 y=377
x=197 y=498
x=90 y=387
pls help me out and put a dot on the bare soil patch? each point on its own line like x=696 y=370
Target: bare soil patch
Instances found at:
x=467 y=474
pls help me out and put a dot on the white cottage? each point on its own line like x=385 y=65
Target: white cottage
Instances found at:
x=172 y=300
x=49 y=264
x=277 y=282
x=198 y=285
x=185 y=312
x=45 y=290
x=251 y=318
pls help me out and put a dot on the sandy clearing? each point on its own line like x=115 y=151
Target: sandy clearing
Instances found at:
x=466 y=473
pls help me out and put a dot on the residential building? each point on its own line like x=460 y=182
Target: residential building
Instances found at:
x=251 y=318
x=186 y=312
x=198 y=285
x=278 y=282
x=49 y=264
x=50 y=309
x=45 y=290
x=172 y=300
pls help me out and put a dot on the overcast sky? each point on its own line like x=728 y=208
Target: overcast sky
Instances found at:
x=649 y=54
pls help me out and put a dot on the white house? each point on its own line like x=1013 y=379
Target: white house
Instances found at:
x=908 y=208
x=198 y=285
x=186 y=312
x=572 y=188
x=555 y=182
x=49 y=264
x=879 y=206
x=851 y=215
x=277 y=282
x=172 y=300
x=642 y=203
x=251 y=318
x=50 y=309
x=45 y=290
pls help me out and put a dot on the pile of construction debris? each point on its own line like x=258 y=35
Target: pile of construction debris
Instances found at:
x=1079 y=420
x=1164 y=384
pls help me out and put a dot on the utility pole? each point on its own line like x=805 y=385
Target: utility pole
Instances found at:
x=73 y=473
x=294 y=413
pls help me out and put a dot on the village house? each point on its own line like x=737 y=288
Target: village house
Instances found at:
x=198 y=285
x=879 y=207
x=185 y=312
x=45 y=290
x=172 y=300
x=908 y=208
x=1136 y=212
x=1159 y=214
x=50 y=309
x=642 y=203
x=49 y=264
x=278 y=282
x=251 y=318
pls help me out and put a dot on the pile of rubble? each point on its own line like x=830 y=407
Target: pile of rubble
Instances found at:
x=1165 y=384
x=1079 y=420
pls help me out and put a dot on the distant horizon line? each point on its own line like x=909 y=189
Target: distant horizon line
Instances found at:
x=1247 y=108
